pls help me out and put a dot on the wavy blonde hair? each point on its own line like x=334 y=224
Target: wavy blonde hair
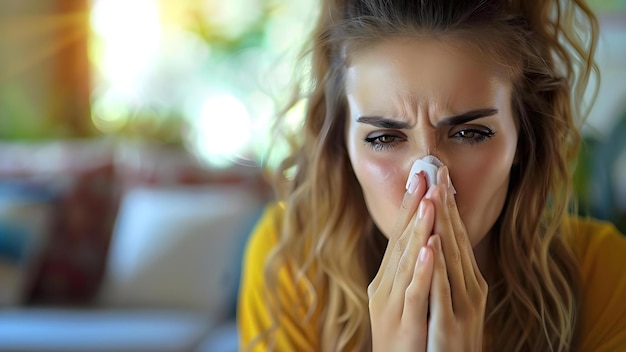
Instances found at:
x=328 y=239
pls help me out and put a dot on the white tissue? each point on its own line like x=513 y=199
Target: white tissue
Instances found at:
x=429 y=165
x=430 y=171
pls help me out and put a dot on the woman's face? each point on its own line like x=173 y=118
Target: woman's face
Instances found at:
x=409 y=98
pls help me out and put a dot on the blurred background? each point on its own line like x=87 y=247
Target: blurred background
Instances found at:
x=131 y=138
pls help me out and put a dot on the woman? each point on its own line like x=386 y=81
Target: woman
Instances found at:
x=362 y=255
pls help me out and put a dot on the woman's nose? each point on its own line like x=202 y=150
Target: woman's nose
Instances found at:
x=426 y=142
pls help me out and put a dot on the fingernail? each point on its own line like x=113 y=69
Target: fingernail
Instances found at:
x=431 y=241
x=423 y=256
x=430 y=193
x=434 y=241
x=440 y=175
x=449 y=181
x=451 y=186
x=412 y=184
x=422 y=210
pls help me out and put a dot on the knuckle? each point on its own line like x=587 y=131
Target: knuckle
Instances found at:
x=461 y=239
x=450 y=202
x=456 y=256
x=374 y=305
x=400 y=245
x=462 y=309
x=413 y=293
x=483 y=303
x=479 y=303
x=484 y=286
x=371 y=290
x=478 y=299
x=405 y=205
x=404 y=265
x=442 y=291
x=449 y=199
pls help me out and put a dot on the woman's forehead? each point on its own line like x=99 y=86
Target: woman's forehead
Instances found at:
x=493 y=56
x=424 y=71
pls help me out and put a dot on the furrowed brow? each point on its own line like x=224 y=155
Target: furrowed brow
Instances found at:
x=382 y=122
x=466 y=117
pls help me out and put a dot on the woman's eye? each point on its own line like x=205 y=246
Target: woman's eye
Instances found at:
x=466 y=134
x=472 y=136
x=382 y=141
x=386 y=139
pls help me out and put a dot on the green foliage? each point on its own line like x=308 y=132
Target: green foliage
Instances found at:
x=24 y=118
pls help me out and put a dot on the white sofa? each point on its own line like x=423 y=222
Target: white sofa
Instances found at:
x=171 y=278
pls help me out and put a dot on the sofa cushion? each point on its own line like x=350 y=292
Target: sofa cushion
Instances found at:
x=180 y=247
x=81 y=175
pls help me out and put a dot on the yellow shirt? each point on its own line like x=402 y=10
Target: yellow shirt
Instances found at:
x=600 y=248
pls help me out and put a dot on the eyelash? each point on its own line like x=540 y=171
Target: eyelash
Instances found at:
x=480 y=136
x=377 y=145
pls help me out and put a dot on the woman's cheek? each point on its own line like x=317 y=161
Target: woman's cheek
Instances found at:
x=465 y=198
x=383 y=183
x=481 y=187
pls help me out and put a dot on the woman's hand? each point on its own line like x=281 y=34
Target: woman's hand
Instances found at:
x=458 y=292
x=428 y=293
x=399 y=294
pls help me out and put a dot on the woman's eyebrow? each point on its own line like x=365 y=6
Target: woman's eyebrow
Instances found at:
x=382 y=122
x=466 y=117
